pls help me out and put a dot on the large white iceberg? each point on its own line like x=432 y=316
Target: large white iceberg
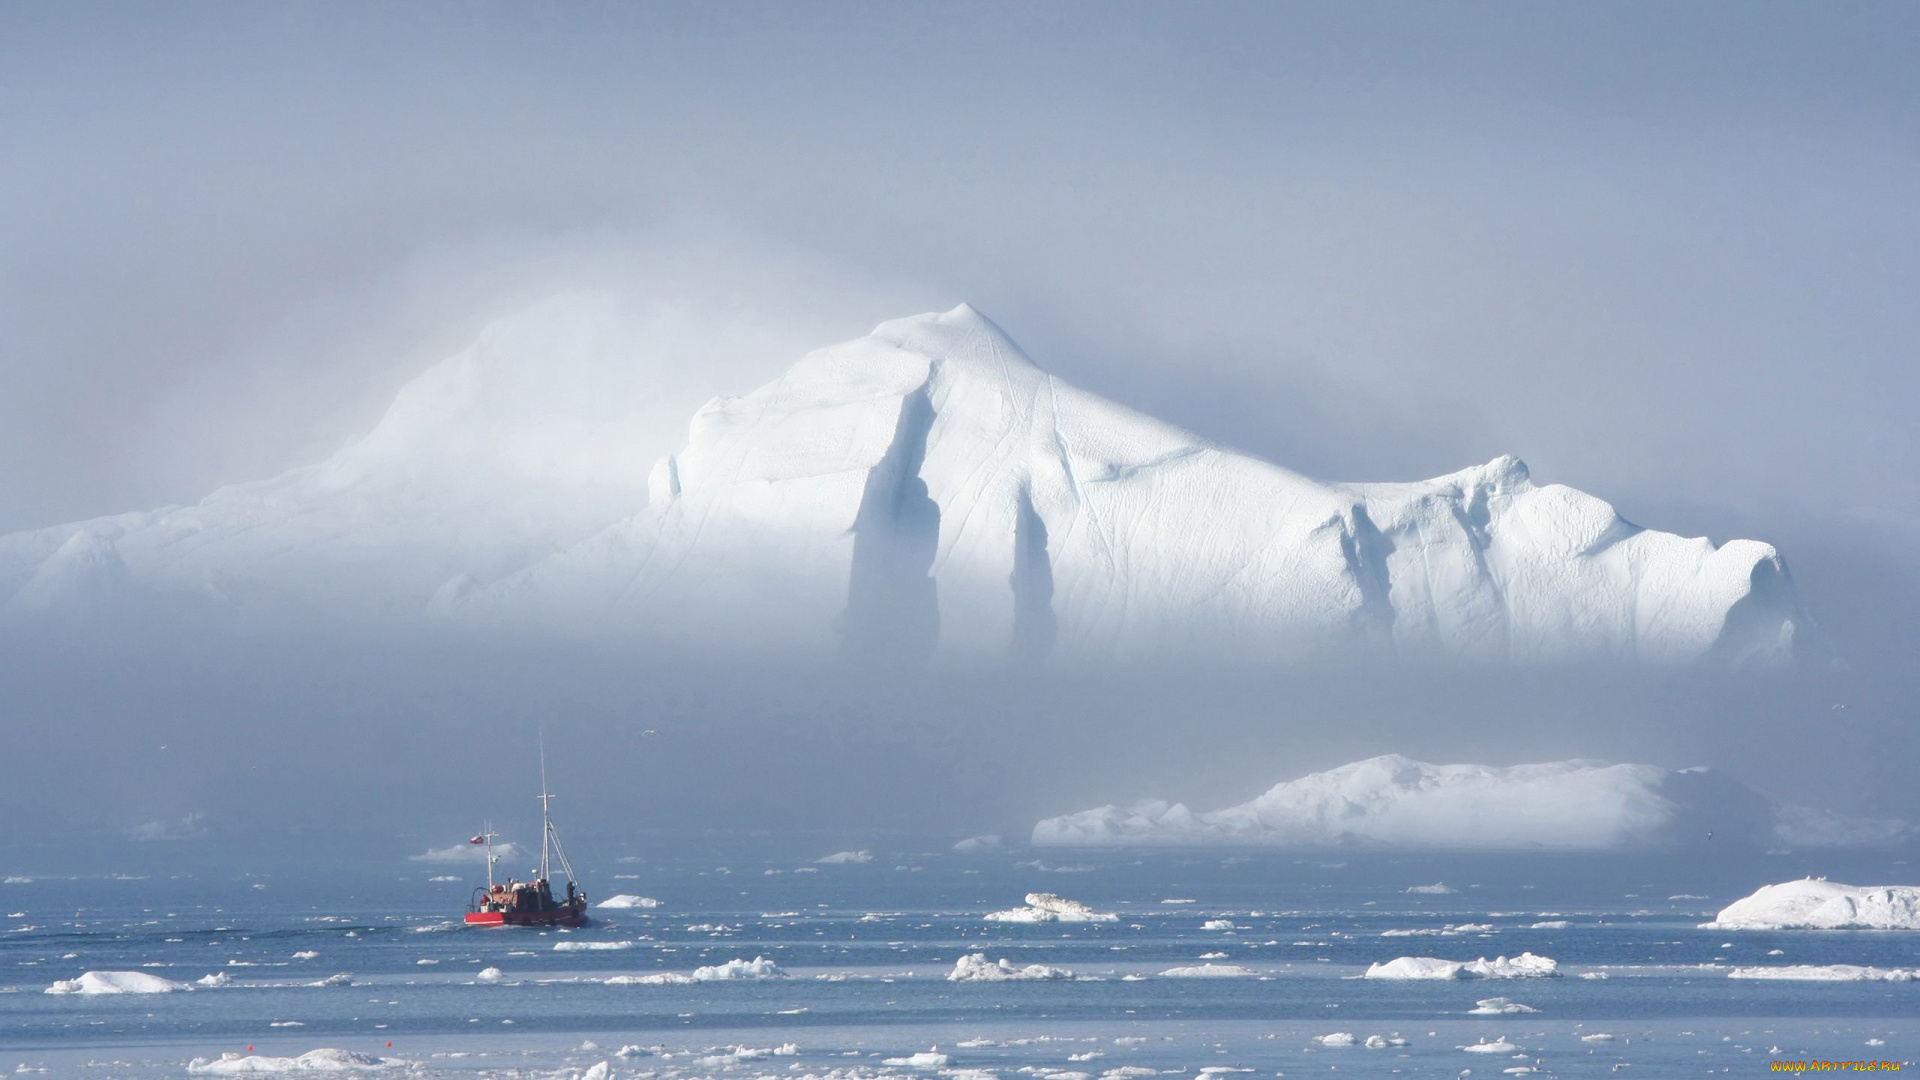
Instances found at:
x=117 y=982
x=1524 y=966
x=1395 y=802
x=924 y=489
x=1819 y=904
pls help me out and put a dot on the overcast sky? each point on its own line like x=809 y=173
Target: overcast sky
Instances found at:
x=1666 y=253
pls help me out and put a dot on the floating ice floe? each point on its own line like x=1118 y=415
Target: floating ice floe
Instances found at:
x=925 y=1059
x=1046 y=907
x=757 y=968
x=1208 y=971
x=840 y=858
x=1819 y=904
x=1498 y=1006
x=628 y=900
x=1450 y=930
x=590 y=946
x=1438 y=888
x=489 y=975
x=975 y=967
x=1337 y=1039
x=740 y=1054
x=117 y=982
x=1497 y=1046
x=1826 y=973
x=306 y=954
x=313 y=1061
x=974 y=845
x=214 y=981
x=1524 y=966
x=342 y=979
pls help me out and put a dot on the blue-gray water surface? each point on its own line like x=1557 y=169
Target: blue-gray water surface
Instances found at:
x=866 y=948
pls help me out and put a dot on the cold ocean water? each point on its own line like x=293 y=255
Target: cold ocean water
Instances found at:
x=866 y=948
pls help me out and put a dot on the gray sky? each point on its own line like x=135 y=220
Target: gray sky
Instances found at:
x=1664 y=252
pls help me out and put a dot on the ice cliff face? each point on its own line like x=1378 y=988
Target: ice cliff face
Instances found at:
x=922 y=491
x=928 y=489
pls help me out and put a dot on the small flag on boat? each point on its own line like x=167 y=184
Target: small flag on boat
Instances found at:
x=481 y=839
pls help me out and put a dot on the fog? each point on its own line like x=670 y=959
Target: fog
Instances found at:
x=1664 y=255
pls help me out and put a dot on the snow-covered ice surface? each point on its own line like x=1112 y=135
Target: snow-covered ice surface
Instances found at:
x=1396 y=802
x=886 y=492
x=1819 y=904
x=878 y=973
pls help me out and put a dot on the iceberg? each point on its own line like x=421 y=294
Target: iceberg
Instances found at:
x=628 y=900
x=1337 y=1039
x=1046 y=907
x=1826 y=973
x=923 y=490
x=1395 y=802
x=757 y=968
x=1524 y=966
x=1498 y=1006
x=975 y=967
x=1819 y=904
x=119 y=982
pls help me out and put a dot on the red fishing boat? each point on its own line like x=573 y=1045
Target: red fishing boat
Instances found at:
x=529 y=903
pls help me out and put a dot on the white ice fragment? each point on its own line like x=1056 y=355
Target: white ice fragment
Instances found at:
x=975 y=967
x=628 y=900
x=1046 y=907
x=1525 y=965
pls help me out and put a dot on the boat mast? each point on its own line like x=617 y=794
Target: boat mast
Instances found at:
x=546 y=814
x=491 y=857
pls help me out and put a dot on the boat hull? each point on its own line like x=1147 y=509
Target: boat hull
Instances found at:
x=560 y=916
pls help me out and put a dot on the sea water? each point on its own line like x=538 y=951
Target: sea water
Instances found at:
x=863 y=951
